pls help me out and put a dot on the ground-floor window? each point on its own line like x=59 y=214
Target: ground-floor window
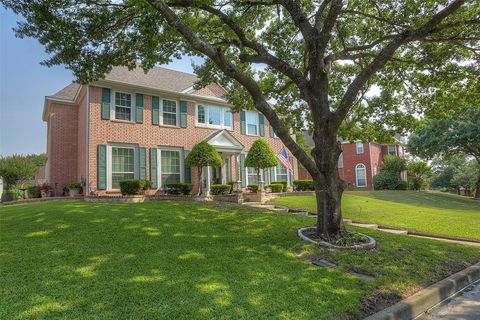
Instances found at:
x=281 y=173
x=170 y=166
x=361 y=175
x=252 y=176
x=123 y=165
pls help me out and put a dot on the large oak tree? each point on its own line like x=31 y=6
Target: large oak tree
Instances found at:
x=294 y=61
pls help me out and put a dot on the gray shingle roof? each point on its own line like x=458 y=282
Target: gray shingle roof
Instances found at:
x=69 y=92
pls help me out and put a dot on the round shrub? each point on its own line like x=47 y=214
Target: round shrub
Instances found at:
x=284 y=185
x=275 y=187
x=386 y=180
x=131 y=186
x=252 y=188
x=402 y=185
x=220 y=189
x=34 y=192
x=74 y=185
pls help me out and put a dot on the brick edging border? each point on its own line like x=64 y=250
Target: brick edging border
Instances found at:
x=429 y=297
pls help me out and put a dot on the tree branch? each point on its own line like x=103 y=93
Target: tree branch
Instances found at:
x=232 y=71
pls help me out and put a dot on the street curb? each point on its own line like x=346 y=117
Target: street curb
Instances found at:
x=427 y=298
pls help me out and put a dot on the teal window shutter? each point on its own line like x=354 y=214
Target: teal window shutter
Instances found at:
x=243 y=177
x=153 y=167
x=183 y=114
x=243 y=123
x=139 y=108
x=261 y=125
x=187 y=177
x=155 y=110
x=102 y=166
x=106 y=103
x=292 y=175
x=142 y=163
x=271 y=132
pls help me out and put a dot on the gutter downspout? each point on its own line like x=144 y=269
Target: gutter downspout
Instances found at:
x=87 y=138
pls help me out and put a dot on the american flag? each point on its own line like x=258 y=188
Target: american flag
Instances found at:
x=283 y=157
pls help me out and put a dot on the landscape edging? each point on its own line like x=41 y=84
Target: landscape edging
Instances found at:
x=369 y=245
x=429 y=297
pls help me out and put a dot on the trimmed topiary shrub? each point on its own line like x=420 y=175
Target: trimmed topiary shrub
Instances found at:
x=260 y=156
x=284 y=185
x=178 y=188
x=218 y=189
x=386 y=180
x=275 y=187
x=252 y=188
x=304 y=185
x=131 y=186
x=202 y=155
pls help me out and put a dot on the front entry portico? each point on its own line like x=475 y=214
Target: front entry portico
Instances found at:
x=229 y=149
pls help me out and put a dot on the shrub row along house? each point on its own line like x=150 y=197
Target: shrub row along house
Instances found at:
x=360 y=161
x=136 y=125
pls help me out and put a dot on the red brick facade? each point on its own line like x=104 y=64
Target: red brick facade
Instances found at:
x=72 y=126
x=371 y=157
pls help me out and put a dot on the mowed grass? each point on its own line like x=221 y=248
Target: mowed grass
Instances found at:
x=185 y=260
x=435 y=213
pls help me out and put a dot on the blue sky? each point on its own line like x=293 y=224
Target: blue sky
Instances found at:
x=23 y=85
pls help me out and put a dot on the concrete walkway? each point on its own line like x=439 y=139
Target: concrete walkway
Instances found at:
x=465 y=306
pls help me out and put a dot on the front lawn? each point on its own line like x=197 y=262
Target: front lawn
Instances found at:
x=185 y=260
x=435 y=213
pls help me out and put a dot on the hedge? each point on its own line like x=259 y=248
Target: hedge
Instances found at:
x=178 y=188
x=275 y=187
x=74 y=185
x=219 y=189
x=283 y=183
x=252 y=187
x=131 y=186
x=386 y=180
x=304 y=185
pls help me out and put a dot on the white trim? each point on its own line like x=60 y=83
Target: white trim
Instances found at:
x=356 y=175
x=338 y=161
x=394 y=147
x=159 y=163
x=109 y=161
x=357 y=144
x=222 y=117
x=288 y=175
x=113 y=105
x=177 y=108
x=257 y=123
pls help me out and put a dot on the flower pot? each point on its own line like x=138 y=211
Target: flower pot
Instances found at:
x=73 y=192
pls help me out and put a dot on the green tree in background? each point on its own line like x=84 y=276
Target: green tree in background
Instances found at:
x=315 y=59
x=457 y=134
x=418 y=173
x=260 y=156
x=203 y=155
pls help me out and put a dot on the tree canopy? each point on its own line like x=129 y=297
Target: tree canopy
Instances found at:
x=15 y=168
x=202 y=155
x=418 y=173
x=354 y=68
x=261 y=155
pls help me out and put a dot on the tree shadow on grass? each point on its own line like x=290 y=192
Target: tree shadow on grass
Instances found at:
x=163 y=260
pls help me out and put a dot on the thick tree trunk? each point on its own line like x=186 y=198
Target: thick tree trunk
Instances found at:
x=477 y=188
x=328 y=185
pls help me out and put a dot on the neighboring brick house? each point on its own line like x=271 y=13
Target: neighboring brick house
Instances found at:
x=136 y=125
x=360 y=161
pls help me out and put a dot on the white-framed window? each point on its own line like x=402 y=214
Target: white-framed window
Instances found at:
x=121 y=165
x=392 y=149
x=361 y=175
x=214 y=117
x=170 y=164
x=340 y=160
x=359 y=147
x=122 y=106
x=169 y=114
x=252 y=175
x=251 y=119
x=281 y=172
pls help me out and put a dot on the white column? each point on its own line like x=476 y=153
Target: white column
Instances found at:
x=209 y=177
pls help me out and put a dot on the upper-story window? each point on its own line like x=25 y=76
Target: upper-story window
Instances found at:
x=123 y=106
x=252 y=123
x=359 y=147
x=392 y=150
x=169 y=113
x=215 y=117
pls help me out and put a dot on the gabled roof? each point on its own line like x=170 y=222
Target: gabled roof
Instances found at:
x=223 y=140
x=70 y=92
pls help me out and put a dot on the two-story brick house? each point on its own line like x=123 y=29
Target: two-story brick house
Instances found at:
x=133 y=124
x=360 y=161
